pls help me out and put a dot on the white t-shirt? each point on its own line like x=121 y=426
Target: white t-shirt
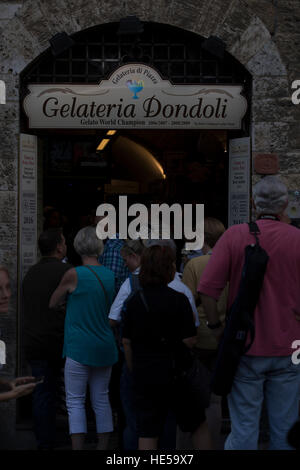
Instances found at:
x=125 y=290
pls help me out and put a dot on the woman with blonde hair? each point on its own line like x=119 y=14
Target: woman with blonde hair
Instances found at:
x=89 y=344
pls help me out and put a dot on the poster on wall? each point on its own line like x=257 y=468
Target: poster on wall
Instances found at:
x=239 y=181
x=28 y=202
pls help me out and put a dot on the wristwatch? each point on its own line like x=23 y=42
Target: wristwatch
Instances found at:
x=213 y=326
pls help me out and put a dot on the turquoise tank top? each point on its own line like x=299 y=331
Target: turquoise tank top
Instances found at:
x=88 y=337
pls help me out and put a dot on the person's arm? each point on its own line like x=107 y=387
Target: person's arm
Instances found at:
x=211 y=311
x=18 y=388
x=116 y=308
x=190 y=342
x=190 y=298
x=127 y=352
x=190 y=279
x=127 y=335
x=67 y=285
x=185 y=322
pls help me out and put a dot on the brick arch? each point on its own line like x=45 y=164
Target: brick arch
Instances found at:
x=26 y=36
x=246 y=36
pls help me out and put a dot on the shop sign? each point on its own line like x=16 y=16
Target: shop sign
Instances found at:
x=135 y=96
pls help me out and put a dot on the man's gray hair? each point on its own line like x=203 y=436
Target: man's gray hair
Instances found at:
x=86 y=242
x=270 y=195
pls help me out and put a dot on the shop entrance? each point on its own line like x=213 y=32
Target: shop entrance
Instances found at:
x=167 y=165
x=162 y=166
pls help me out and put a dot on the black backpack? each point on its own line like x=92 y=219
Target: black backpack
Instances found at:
x=239 y=320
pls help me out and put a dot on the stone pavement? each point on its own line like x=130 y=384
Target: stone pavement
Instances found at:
x=25 y=439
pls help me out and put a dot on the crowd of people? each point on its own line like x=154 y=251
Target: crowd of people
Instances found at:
x=126 y=311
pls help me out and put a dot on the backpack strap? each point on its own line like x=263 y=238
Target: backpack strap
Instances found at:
x=134 y=282
x=254 y=230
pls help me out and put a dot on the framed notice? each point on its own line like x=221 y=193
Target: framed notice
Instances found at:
x=239 y=181
x=28 y=202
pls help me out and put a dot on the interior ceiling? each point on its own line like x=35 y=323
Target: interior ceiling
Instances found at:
x=135 y=151
x=139 y=162
x=177 y=139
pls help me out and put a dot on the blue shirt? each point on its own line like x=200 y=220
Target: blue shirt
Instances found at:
x=112 y=259
x=88 y=336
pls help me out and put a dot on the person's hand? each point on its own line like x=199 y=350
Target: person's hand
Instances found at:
x=22 y=381
x=17 y=388
x=21 y=386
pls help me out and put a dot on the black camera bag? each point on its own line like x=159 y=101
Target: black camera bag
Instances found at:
x=239 y=319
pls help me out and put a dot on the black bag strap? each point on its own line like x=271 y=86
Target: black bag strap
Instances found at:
x=134 y=282
x=101 y=284
x=254 y=230
x=142 y=295
x=252 y=336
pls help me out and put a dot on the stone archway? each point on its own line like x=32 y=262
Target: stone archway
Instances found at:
x=27 y=34
x=244 y=25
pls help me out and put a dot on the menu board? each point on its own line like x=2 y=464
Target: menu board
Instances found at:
x=28 y=202
x=239 y=181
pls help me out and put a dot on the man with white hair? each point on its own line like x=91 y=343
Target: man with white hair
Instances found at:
x=267 y=370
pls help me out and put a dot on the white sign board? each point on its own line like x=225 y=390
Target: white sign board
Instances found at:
x=239 y=181
x=135 y=96
x=28 y=202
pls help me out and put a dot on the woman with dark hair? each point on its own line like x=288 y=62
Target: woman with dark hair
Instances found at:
x=157 y=332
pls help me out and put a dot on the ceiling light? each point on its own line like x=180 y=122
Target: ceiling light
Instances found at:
x=102 y=144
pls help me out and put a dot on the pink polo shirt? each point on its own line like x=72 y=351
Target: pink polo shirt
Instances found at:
x=275 y=324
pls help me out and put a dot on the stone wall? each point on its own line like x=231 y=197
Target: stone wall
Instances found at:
x=265 y=39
